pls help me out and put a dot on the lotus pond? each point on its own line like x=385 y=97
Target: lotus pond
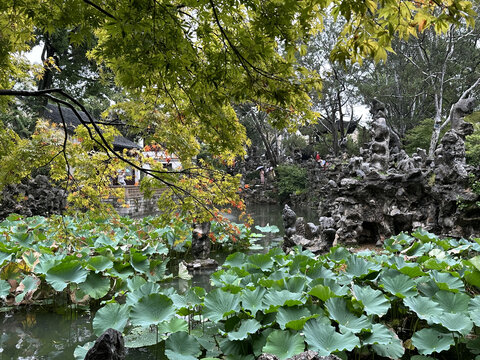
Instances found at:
x=416 y=298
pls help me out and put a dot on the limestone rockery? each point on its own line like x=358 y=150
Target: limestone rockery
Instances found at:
x=384 y=191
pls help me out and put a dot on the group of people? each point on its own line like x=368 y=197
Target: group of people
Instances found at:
x=321 y=162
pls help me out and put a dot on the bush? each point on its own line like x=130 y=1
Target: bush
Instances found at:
x=291 y=179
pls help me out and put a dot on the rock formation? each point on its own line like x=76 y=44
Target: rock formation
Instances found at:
x=383 y=192
x=109 y=346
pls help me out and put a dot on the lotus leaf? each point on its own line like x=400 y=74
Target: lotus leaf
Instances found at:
x=274 y=298
x=219 y=303
x=392 y=350
x=252 y=299
x=262 y=261
x=284 y=344
x=322 y=292
x=95 y=286
x=81 y=351
x=374 y=302
x=152 y=310
x=66 y=272
x=134 y=283
x=325 y=340
x=452 y=302
x=123 y=270
x=4 y=257
x=247 y=327
x=293 y=317
x=358 y=267
x=235 y=260
x=99 y=263
x=112 y=315
x=446 y=281
x=268 y=229
x=397 y=283
x=174 y=325
x=424 y=307
x=4 y=288
x=141 y=337
x=380 y=335
x=454 y=322
x=430 y=340
x=28 y=286
x=474 y=310
x=337 y=307
x=105 y=240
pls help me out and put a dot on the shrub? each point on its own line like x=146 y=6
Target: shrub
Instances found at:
x=291 y=179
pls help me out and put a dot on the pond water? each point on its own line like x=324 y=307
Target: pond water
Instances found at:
x=54 y=333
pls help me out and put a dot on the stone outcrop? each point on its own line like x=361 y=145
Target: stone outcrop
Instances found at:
x=385 y=191
x=109 y=346
x=36 y=196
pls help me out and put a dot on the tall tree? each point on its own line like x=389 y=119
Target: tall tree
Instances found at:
x=184 y=64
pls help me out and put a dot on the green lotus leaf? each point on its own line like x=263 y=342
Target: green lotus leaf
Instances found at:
x=99 y=263
x=158 y=269
x=81 y=350
x=274 y=298
x=104 y=240
x=322 y=292
x=425 y=236
x=452 y=302
x=174 y=325
x=293 y=317
x=380 y=335
x=96 y=286
x=252 y=299
x=219 y=303
x=474 y=310
x=336 y=287
x=339 y=254
x=28 y=285
x=237 y=259
x=247 y=327
x=446 y=281
x=374 y=302
x=4 y=257
x=190 y=299
x=424 y=307
x=472 y=277
x=181 y=346
x=70 y=271
x=318 y=271
x=337 y=308
x=151 y=310
x=146 y=289
x=411 y=269
x=268 y=229
x=430 y=340
x=134 y=283
x=139 y=262
x=24 y=239
x=397 y=283
x=123 y=270
x=427 y=287
x=358 y=267
x=392 y=350
x=238 y=349
x=325 y=340
x=47 y=261
x=4 y=288
x=454 y=322
x=141 y=337
x=284 y=344
x=112 y=315
x=262 y=261
x=292 y=284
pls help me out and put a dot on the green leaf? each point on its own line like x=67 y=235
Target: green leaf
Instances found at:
x=81 y=350
x=152 y=310
x=397 y=284
x=374 y=302
x=424 y=307
x=293 y=317
x=174 y=325
x=452 y=302
x=380 y=335
x=357 y=267
x=99 y=263
x=235 y=260
x=337 y=307
x=247 y=327
x=268 y=229
x=454 y=322
x=322 y=292
x=474 y=310
x=262 y=261
x=446 y=281
x=29 y=284
x=430 y=340
x=392 y=350
x=66 y=272
x=4 y=288
x=252 y=299
x=112 y=315
x=325 y=340
x=274 y=298
x=181 y=346
x=141 y=337
x=284 y=344
x=95 y=286
x=219 y=303
x=139 y=262
x=146 y=289
x=4 y=257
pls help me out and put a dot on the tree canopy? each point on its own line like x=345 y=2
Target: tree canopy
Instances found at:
x=182 y=65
